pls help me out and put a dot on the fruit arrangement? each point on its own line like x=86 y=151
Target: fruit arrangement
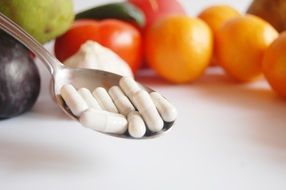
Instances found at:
x=160 y=34
x=118 y=26
x=176 y=46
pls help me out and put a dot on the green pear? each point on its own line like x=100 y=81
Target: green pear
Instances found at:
x=43 y=19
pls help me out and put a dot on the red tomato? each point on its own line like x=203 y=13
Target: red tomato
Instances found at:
x=156 y=9
x=121 y=37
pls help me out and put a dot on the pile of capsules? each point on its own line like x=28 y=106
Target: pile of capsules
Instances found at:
x=124 y=109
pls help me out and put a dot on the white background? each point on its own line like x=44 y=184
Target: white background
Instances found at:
x=227 y=136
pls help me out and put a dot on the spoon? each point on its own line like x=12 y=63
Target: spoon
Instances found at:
x=62 y=74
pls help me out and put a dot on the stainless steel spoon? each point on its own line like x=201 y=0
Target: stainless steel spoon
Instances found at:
x=62 y=74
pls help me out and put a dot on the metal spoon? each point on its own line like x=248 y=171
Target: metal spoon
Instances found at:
x=62 y=74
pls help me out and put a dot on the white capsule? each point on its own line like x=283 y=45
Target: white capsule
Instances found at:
x=104 y=121
x=136 y=125
x=167 y=111
x=73 y=100
x=89 y=99
x=147 y=109
x=104 y=100
x=129 y=86
x=121 y=101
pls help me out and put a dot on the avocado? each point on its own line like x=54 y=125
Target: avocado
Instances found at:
x=19 y=78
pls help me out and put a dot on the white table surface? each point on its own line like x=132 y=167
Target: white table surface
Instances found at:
x=227 y=136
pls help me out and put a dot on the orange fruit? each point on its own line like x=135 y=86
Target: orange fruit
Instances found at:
x=241 y=43
x=215 y=16
x=274 y=65
x=179 y=48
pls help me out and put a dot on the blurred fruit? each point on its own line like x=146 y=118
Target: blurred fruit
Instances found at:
x=44 y=20
x=119 y=10
x=273 y=11
x=241 y=43
x=274 y=65
x=19 y=78
x=215 y=16
x=156 y=9
x=179 y=48
x=120 y=37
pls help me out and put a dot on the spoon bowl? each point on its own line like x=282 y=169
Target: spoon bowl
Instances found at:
x=91 y=79
x=61 y=74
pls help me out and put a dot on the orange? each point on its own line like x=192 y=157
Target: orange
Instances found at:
x=274 y=65
x=215 y=16
x=241 y=43
x=179 y=48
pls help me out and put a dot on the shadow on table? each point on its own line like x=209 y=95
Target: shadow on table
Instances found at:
x=46 y=108
x=255 y=100
x=23 y=157
x=149 y=77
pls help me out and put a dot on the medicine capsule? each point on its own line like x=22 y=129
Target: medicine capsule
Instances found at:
x=147 y=109
x=104 y=121
x=136 y=125
x=129 y=86
x=74 y=101
x=167 y=111
x=104 y=100
x=121 y=101
x=89 y=99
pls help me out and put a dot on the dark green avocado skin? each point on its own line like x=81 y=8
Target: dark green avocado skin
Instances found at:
x=118 y=10
x=19 y=78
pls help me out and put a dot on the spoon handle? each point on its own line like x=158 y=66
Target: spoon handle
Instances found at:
x=27 y=40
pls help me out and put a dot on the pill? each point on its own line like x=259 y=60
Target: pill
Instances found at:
x=167 y=111
x=89 y=98
x=104 y=121
x=136 y=125
x=129 y=86
x=104 y=100
x=74 y=101
x=122 y=103
x=147 y=109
